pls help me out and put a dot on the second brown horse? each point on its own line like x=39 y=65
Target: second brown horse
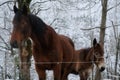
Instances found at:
x=84 y=60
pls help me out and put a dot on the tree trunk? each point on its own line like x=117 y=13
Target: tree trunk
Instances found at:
x=103 y=21
x=102 y=31
x=117 y=52
x=25 y=56
x=25 y=51
x=117 y=38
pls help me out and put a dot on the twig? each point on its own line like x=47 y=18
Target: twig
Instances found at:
x=53 y=21
x=6 y=2
x=38 y=3
x=4 y=42
x=114 y=31
x=113 y=7
x=41 y=10
x=98 y=27
x=9 y=7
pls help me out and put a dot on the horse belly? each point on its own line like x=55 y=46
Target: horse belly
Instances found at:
x=45 y=65
x=47 y=60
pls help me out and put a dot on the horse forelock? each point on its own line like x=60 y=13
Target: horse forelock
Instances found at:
x=17 y=16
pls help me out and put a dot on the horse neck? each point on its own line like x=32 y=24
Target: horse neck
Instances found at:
x=41 y=33
x=45 y=40
x=90 y=54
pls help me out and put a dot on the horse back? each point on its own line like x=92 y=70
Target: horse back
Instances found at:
x=82 y=53
x=68 y=48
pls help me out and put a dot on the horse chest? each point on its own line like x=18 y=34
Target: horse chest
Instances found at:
x=46 y=60
x=87 y=67
x=45 y=55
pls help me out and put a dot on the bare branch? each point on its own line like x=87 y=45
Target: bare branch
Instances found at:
x=6 y=2
x=113 y=7
x=9 y=7
x=114 y=30
x=86 y=7
x=45 y=2
x=39 y=2
x=4 y=42
x=40 y=10
x=6 y=29
x=89 y=28
x=53 y=21
x=98 y=27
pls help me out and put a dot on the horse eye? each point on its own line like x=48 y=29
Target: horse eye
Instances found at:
x=97 y=54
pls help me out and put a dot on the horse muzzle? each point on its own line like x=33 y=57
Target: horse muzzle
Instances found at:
x=102 y=69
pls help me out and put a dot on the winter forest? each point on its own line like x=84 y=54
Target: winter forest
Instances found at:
x=81 y=20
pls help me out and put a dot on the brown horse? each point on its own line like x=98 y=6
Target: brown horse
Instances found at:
x=85 y=58
x=49 y=48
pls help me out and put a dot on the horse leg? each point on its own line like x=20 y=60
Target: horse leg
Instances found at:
x=41 y=73
x=82 y=76
x=57 y=72
x=86 y=75
x=65 y=75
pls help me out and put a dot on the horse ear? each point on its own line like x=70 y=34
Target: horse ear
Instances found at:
x=94 y=42
x=25 y=9
x=15 y=9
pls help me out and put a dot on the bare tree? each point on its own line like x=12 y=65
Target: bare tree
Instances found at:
x=102 y=30
x=117 y=38
x=103 y=21
x=25 y=50
x=117 y=52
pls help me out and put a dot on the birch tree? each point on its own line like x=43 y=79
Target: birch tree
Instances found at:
x=25 y=51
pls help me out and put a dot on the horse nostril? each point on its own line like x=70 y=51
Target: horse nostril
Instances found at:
x=14 y=44
x=102 y=69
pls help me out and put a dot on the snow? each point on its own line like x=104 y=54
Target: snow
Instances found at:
x=70 y=20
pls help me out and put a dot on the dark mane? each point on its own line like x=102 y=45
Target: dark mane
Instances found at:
x=87 y=49
x=88 y=52
x=84 y=53
x=38 y=26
